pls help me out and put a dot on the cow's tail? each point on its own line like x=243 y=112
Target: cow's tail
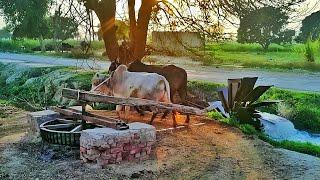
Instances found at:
x=167 y=89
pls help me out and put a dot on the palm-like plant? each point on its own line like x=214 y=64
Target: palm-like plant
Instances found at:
x=240 y=100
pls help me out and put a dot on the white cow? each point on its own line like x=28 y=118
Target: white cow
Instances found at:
x=123 y=83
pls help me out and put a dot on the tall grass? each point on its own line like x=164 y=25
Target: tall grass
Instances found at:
x=238 y=47
x=24 y=45
x=289 y=56
x=310 y=49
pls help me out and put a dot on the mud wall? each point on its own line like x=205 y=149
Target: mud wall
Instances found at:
x=176 y=41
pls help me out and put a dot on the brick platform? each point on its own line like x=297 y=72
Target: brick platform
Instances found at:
x=108 y=146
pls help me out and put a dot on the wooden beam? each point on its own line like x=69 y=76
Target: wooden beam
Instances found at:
x=95 y=97
x=77 y=129
x=58 y=126
x=112 y=123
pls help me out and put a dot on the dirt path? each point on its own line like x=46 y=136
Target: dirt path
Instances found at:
x=297 y=80
x=211 y=151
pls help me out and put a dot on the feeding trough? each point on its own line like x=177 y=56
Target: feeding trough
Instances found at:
x=62 y=131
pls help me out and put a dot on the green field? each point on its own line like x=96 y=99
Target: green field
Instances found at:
x=251 y=55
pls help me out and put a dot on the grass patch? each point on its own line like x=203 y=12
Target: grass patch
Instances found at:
x=302 y=147
x=306 y=148
x=251 y=55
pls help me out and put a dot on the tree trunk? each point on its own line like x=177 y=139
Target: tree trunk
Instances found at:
x=142 y=28
x=106 y=10
x=132 y=22
x=42 y=46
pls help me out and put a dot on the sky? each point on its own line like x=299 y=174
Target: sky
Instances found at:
x=310 y=6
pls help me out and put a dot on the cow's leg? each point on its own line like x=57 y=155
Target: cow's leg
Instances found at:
x=127 y=112
x=174 y=118
x=183 y=95
x=165 y=114
x=154 y=115
x=187 y=119
x=139 y=110
x=119 y=109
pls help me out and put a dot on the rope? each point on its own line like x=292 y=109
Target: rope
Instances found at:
x=95 y=88
x=78 y=98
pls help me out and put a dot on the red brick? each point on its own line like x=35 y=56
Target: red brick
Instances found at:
x=131 y=157
x=93 y=152
x=115 y=150
x=127 y=147
x=106 y=156
x=83 y=150
x=142 y=145
x=125 y=155
x=135 y=150
x=119 y=157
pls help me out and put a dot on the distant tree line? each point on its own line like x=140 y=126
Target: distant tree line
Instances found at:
x=30 y=19
x=261 y=21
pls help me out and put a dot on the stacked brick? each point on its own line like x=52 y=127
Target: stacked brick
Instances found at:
x=108 y=146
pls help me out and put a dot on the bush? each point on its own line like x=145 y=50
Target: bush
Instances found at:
x=309 y=52
x=248 y=129
x=215 y=115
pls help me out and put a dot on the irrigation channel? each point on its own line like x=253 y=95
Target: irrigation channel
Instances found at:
x=279 y=128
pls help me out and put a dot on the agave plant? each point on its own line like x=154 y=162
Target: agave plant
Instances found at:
x=239 y=100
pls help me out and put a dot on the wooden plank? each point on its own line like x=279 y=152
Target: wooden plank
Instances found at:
x=58 y=126
x=95 y=97
x=77 y=129
x=108 y=122
x=65 y=121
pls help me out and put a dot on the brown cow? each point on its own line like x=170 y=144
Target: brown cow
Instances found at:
x=177 y=77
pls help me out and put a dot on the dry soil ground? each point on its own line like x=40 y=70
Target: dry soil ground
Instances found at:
x=211 y=151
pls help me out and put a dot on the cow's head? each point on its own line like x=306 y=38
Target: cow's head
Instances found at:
x=113 y=66
x=102 y=84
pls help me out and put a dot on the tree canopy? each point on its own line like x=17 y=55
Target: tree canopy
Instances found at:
x=26 y=18
x=62 y=28
x=263 y=26
x=310 y=28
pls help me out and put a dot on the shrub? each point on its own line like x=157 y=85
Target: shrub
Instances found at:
x=309 y=52
x=215 y=115
x=248 y=129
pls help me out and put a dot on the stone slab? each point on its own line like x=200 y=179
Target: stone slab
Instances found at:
x=35 y=119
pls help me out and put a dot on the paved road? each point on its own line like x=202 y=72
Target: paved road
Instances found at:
x=297 y=80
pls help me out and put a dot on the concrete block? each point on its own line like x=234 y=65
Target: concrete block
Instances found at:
x=35 y=119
